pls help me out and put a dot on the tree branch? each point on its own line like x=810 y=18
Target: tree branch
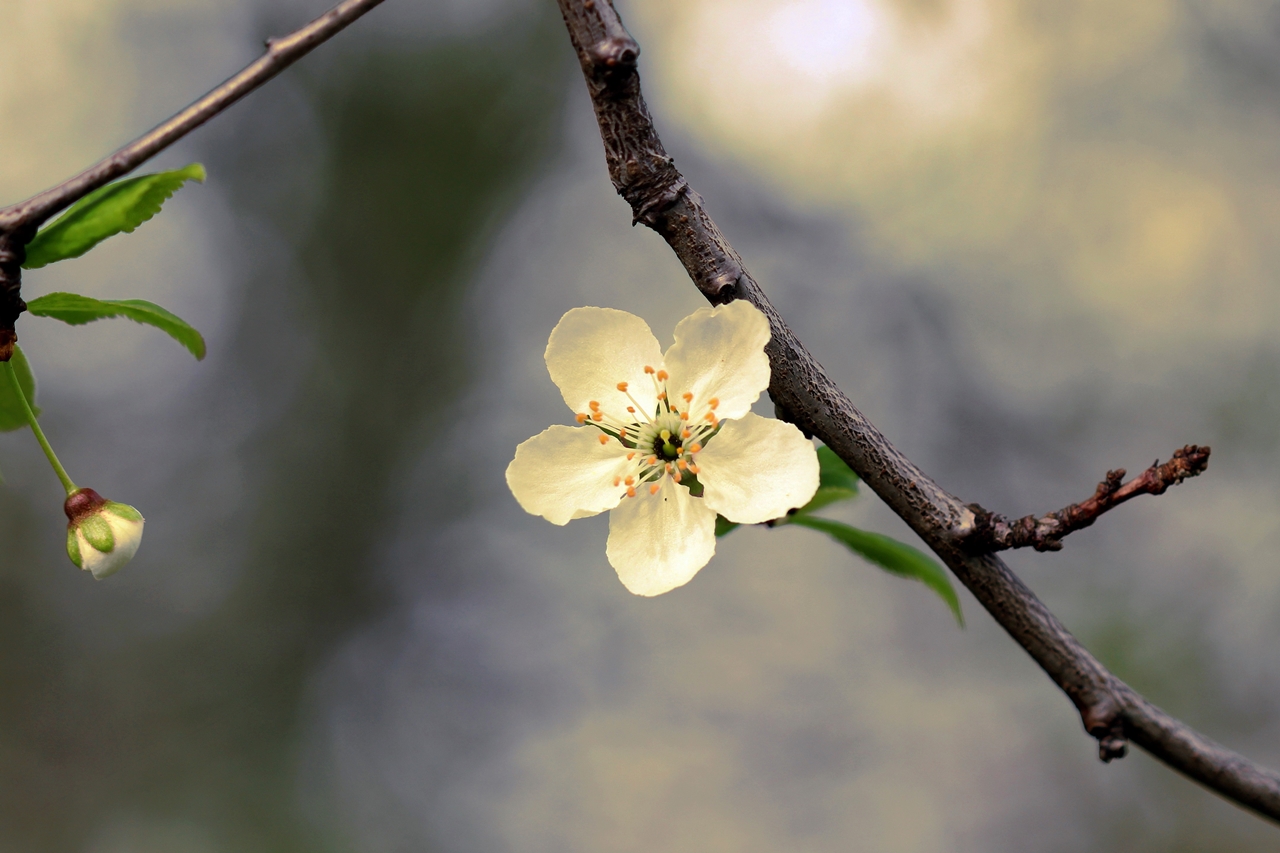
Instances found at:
x=19 y=222
x=994 y=532
x=646 y=177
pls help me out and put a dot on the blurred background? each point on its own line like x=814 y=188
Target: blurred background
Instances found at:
x=1032 y=240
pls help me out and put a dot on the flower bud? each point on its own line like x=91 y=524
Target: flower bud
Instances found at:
x=102 y=535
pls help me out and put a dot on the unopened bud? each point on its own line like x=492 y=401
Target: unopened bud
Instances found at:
x=102 y=535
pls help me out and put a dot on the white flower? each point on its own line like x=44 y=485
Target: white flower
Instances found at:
x=102 y=535
x=666 y=442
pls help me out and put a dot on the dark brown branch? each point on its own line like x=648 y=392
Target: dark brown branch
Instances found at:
x=18 y=223
x=803 y=393
x=994 y=532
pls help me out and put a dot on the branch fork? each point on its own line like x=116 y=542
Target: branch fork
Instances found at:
x=994 y=532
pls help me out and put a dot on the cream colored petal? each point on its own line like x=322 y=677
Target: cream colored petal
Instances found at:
x=593 y=349
x=659 y=542
x=565 y=472
x=755 y=469
x=719 y=352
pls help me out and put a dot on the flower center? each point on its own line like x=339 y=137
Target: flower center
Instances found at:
x=664 y=445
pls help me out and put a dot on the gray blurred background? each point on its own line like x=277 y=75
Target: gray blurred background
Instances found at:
x=1032 y=240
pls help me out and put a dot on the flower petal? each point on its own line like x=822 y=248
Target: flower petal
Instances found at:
x=719 y=352
x=591 y=350
x=564 y=473
x=755 y=469
x=659 y=542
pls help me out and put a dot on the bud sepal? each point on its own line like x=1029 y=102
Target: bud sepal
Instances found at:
x=102 y=535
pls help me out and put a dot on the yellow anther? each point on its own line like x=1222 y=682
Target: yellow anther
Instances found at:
x=631 y=491
x=597 y=416
x=648 y=369
x=631 y=455
x=680 y=463
x=662 y=395
x=622 y=386
x=713 y=402
x=663 y=376
x=653 y=490
x=695 y=448
x=594 y=405
x=688 y=396
x=631 y=409
x=630 y=481
x=676 y=476
x=710 y=416
x=604 y=439
x=582 y=418
x=652 y=460
x=666 y=435
x=617 y=481
x=693 y=468
x=685 y=433
x=668 y=467
x=684 y=416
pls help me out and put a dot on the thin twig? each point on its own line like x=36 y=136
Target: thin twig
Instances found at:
x=18 y=223
x=994 y=532
x=646 y=177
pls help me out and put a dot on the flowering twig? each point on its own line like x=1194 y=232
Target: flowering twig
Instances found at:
x=19 y=222
x=646 y=177
x=994 y=532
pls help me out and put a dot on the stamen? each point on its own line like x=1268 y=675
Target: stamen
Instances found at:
x=631 y=409
x=631 y=491
x=663 y=376
x=684 y=416
x=680 y=463
x=604 y=439
x=648 y=369
x=688 y=396
x=695 y=448
x=713 y=402
x=617 y=481
x=668 y=466
x=653 y=490
x=652 y=460
x=582 y=418
x=631 y=455
x=597 y=416
x=685 y=433
x=662 y=395
x=595 y=406
x=630 y=481
x=676 y=476
x=622 y=386
x=711 y=418
x=693 y=468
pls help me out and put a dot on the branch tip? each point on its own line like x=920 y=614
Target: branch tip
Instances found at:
x=994 y=532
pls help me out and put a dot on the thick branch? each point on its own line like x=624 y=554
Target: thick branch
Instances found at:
x=803 y=393
x=994 y=532
x=18 y=223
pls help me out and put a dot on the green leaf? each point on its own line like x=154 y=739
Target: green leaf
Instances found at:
x=725 y=526
x=836 y=482
x=105 y=212
x=891 y=555
x=833 y=472
x=77 y=310
x=12 y=415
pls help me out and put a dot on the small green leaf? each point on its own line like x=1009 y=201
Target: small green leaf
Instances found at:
x=724 y=526
x=12 y=415
x=836 y=482
x=105 y=212
x=891 y=555
x=833 y=472
x=77 y=310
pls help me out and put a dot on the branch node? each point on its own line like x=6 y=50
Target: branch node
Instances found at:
x=1104 y=721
